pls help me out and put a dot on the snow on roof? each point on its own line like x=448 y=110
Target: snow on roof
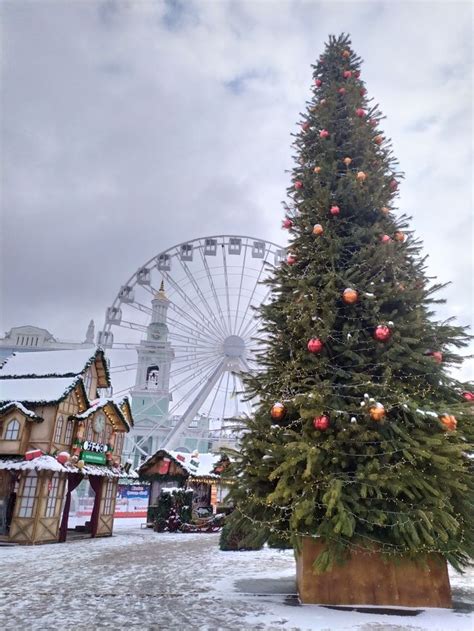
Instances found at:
x=15 y=404
x=206 y=463
x=46 y=363
x=48 y=463
x=36 y=390
x=98 y=404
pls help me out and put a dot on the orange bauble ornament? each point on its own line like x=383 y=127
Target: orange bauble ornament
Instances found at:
x=385 y=210
x=350 y=296
x=278 y=412
x=318 y=229
x=346 y=54
x=317 y=169
x=377 y=412
x=399 y=236
x=378 y=139
x=449 y=422
x=361 y=176
x=347 y=161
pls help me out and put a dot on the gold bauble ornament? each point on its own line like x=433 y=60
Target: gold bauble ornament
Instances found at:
x=449 y=422
x=378 y=139
x=318 y=229
x=317 y=169
x=350 y=296
x=385 y=210
x=346 y=54
x=361 y=176
x=377 y=412
x=347 y=161
x=278 y=411
x=399 y=236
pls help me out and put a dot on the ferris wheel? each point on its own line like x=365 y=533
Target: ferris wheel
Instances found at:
x=209 y=289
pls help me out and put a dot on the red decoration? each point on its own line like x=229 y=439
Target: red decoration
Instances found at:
x=393 y=185
x=315 y=345
x=287 y=223
x=321 y=423
x=33 y=453
x=180 y=457
x=350 y=296
x=298 y=184
x=360 y=112
x=399 y=236
x=342 y=91
x=378 y=139
x=318 y=83
x=324 y=133
x=305 y=126
x=362 y=91
x=372 y=122
x=164 y=466
x=318 y=229
x=382 y=333
x=291 y=259
x=385 y=238
x=347 y=74
x=278 y=411
x=468 y=396
x=437 y=356
x=335 y=210
x=377 y=412
x=63 y=457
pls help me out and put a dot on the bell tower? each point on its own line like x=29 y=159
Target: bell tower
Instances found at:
x=150 y=395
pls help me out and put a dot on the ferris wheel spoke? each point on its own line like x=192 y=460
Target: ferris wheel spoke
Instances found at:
x=190 y=339
x=240 y=286
x=193 y=332
x=140 y=307
x=193 y=388
x=253 y=290
x=197 y=325
x=256 y=323
x=211 y=283
x=225 y=396
x=216 y=392
x=220 y=325
x=125 y=324
x=192 y=305
x=226 y=282
x=199 y=364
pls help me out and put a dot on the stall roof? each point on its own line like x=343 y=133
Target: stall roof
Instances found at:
x=4 y=409
x=48 y=363
x=198 y=466
x=45 y=390
x=48 y=463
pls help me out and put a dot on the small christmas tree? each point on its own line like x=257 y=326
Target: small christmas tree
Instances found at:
x=361 y=435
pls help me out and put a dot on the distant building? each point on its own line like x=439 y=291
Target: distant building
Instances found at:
x=32 y=338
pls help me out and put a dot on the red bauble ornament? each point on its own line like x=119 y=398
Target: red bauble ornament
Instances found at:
x=378 y=139
x=334 y=210
x=342 y=91
x=305 y=126
x=382 y=333
x=321 y=423
x=385 y=238
x=437 y=356
x=287 y=223
x=278 y=412
x=324 y=133
x=360 y=112
x=347 y=74
x=350 y=296
x=393 y=185
x=372 y=122
x=315 y=345
x=298 y=184
x=291 y=259
x=362 y=91
x=468 y=396
x=63 y=457
x=318 y=83
x=399 y=236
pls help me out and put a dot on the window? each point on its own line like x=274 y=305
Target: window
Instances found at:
x=109 y=489
x=59 y=429
x=27 y=500
x=13 y=430
x=52 y=496
x=69 y=430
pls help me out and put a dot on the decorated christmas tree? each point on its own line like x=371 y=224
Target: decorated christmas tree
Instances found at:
x=361 y=434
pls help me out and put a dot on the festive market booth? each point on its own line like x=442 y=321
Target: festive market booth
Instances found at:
x=198 y=472
x=55 y=431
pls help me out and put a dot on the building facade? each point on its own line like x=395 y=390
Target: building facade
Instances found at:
x=55 y=432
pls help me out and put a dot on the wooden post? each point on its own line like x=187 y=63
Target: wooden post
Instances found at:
x=368 y=578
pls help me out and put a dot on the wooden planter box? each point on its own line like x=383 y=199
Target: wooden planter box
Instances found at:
x=367 y=578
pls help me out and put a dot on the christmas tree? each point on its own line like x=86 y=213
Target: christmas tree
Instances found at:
x=361 y=434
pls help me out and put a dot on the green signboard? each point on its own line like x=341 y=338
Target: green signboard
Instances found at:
x=92 y=457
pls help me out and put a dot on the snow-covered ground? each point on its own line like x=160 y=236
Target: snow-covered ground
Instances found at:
x=142 y=580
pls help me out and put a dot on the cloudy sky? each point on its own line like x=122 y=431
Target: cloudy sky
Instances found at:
x=129 y=126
